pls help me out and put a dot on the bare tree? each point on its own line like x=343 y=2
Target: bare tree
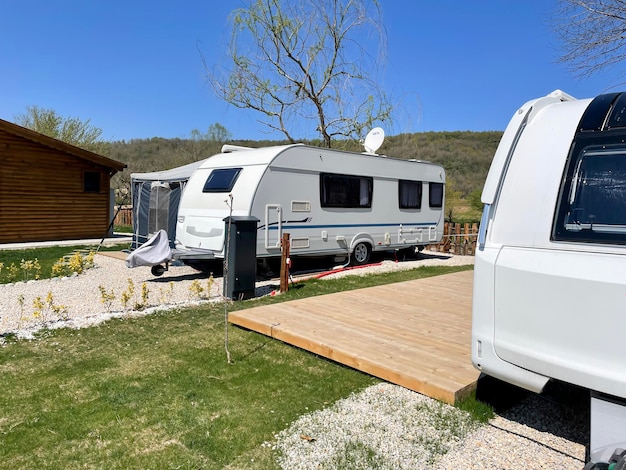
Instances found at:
x=307 y=61
x=593 y=34
x=70 y=130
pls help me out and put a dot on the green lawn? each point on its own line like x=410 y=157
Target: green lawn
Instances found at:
x=158 y=392
x=46 y=257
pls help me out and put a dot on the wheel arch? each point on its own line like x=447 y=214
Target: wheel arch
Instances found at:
x=362 y=238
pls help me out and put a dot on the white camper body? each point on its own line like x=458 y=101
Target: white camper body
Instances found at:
x=549 y=299
x=331 y=202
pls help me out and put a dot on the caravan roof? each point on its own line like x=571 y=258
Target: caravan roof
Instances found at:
x=173 y=174
x=247 y=156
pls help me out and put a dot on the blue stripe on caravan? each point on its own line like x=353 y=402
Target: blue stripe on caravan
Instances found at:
x=307 y=226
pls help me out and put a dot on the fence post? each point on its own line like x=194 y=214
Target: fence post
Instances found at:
x=466 y=239
x=475 y=237
x=446 y=236
x=284 y=264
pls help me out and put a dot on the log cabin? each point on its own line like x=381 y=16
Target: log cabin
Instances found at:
x=51 y=190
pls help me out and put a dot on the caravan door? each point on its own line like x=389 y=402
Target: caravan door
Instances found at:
x=273 y=227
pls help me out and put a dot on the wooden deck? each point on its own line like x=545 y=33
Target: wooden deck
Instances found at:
x=415 y=333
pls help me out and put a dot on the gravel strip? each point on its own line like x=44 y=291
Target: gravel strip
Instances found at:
x=81 y=298
x=385 y=426
x=534 y=434
x=390 y=427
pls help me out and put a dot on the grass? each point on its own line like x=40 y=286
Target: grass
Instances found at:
x=157 y=391
x=46 y=257
x=313 y=287
x=123 y=229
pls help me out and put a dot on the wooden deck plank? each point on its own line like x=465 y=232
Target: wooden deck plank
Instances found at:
x=415 y=333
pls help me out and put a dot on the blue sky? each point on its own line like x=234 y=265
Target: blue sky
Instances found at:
x=134 y=67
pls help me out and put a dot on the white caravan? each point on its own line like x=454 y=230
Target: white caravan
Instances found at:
x=330 y=202
x=549 y=298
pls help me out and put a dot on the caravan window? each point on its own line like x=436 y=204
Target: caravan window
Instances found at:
x=346 y=191
x=221 y=180
x=435 y=195
x=592 y=206
x=410 y=194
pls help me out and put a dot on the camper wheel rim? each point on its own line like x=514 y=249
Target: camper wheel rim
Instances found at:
x=361 y=253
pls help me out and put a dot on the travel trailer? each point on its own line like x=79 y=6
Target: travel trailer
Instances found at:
x=331 y=202
x=549 y=299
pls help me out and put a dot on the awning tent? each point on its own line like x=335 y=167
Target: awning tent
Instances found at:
x=156 y=196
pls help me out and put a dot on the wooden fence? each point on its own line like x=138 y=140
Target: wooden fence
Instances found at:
x=123 y=215
x=458 y=239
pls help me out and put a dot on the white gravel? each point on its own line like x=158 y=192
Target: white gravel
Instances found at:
x=390 y=427
x=385 y=426
x=81 y=300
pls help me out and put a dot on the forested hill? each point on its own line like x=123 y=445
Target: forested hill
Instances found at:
x=465 y=155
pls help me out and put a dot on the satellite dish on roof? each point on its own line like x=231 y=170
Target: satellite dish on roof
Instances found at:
x=374 y=140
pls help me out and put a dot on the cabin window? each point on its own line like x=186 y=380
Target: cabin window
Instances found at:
x=91 y=182
x=435 y=195
x=592 y=205
x=221 y=180
x=410 y=194
x=346 y=191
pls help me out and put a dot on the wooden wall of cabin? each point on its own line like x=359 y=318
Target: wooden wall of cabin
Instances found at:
x=43 y=194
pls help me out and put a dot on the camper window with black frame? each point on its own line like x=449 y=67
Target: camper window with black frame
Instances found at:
x=435 y=194
x=410 y=194
x=346 y=191
x=592 y=202
x=221 y=180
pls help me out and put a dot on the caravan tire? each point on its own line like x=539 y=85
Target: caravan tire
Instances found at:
x=361 y=254
x=157 y=270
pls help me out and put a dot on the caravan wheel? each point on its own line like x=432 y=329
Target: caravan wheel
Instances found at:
x=361 y=254
x=157 y=270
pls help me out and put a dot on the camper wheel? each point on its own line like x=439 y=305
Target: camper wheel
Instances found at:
x=157 y=270
x=361 y=254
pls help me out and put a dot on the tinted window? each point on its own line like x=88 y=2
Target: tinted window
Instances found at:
x=410 y=194
x=592 y=205
x=221 y=180
x=345 y=191
x=435 y=195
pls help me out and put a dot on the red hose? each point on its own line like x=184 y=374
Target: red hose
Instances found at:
x=343 y=268
x=333 y=271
